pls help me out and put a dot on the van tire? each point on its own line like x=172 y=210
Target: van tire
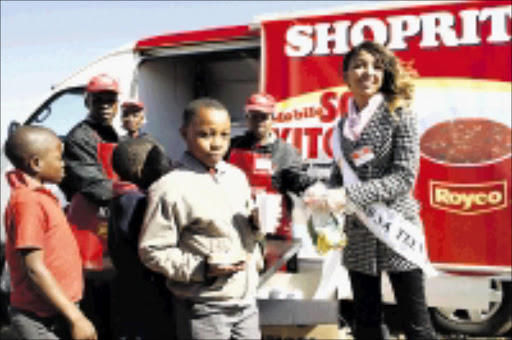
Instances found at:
x=496 y=321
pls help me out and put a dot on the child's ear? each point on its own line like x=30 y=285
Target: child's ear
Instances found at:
x=34 y=164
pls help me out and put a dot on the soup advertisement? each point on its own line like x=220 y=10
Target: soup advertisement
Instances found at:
x=462 y=54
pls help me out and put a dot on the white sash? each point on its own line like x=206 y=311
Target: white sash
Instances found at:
x=387 y=225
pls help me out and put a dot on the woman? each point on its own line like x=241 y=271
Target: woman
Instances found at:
x=379 y=141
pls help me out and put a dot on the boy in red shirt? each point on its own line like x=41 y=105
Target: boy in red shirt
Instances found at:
x=42 y=253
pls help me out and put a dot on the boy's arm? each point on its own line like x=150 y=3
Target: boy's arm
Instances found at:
x=45 y=283
x=158 y=241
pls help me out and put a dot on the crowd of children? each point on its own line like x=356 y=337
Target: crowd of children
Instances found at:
x=186 y=262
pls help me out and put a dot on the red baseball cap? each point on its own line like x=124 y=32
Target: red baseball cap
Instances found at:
x=132 y=103
x=101 y=83
x=261 y=102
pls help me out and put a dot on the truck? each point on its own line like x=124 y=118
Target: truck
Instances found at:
x=462 y=52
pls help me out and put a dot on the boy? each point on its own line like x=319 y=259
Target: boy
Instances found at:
x=42 y=253
x=197 y=231
x=138 y=162
x=132 y=117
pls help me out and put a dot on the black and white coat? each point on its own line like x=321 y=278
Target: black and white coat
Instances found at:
x=388 y=178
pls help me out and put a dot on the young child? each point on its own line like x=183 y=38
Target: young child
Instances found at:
x=141 y=304
x=42 y=253
x=199 y=233
x=132 y=117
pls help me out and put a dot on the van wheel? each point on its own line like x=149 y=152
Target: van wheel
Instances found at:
x=495 y=320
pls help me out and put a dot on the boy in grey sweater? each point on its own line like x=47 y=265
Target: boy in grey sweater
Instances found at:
x=199 y=232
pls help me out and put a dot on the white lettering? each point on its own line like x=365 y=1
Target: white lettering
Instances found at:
x=338 y=36
x=498 y=17
x=481 y=199
x=455 y=199
x=441 y=195
x=469 y=27
x=341 y=28
x=434 y=29
x=299 y=41
x=380 y=33
x=401 y=27
x=438 y=24
x=495 y=197
x=467 y=201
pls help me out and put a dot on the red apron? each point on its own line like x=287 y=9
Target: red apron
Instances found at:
x=260 y=179
x=89 y=227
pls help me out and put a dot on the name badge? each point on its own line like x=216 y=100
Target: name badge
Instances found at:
x=363 y=155
x=263 y=164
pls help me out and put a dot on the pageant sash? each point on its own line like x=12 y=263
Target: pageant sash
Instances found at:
x=386 y=224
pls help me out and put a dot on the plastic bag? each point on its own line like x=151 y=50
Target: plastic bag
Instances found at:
x=325 y=226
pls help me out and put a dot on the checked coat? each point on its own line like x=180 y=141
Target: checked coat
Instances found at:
x=388 y=178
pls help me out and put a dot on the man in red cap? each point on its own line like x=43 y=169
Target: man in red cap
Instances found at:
x=84 y=171
x=88 y=186
x=267 y=153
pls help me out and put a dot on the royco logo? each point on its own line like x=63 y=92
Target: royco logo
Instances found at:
x=468 y=199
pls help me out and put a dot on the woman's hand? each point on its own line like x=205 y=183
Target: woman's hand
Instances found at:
x=336 y=199
x=315 y=196
x=318 y=197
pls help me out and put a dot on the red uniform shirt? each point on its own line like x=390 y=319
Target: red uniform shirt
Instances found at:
x=34 y=220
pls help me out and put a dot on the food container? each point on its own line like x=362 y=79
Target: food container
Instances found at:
x=269 y=211
x=464 y=183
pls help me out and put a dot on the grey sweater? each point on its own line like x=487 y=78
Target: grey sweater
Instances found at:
x=193 y=215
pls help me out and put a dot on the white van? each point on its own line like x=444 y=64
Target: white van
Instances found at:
x=462 y=50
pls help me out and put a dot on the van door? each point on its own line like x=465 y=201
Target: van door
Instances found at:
x=222 y=63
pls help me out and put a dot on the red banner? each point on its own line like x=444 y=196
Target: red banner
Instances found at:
x=462 y=52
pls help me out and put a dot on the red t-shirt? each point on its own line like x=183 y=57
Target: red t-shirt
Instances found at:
x=34 y=219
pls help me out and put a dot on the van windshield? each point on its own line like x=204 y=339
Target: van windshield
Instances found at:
x=61 y=112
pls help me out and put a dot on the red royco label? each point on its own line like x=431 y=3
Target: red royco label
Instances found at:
x=468 y=199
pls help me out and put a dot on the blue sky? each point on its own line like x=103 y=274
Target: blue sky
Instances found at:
x=42 y=42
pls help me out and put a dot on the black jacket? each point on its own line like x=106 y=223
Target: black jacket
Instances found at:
x=84 y=172
x=289 y=173
x=140 y=299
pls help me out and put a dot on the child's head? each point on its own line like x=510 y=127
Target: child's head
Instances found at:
x=207 y=130
x=139 y=161
x=37 y=151
x=132 y=116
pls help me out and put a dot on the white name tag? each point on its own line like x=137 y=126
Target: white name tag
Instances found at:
x=264 y=164
x=363 y=155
